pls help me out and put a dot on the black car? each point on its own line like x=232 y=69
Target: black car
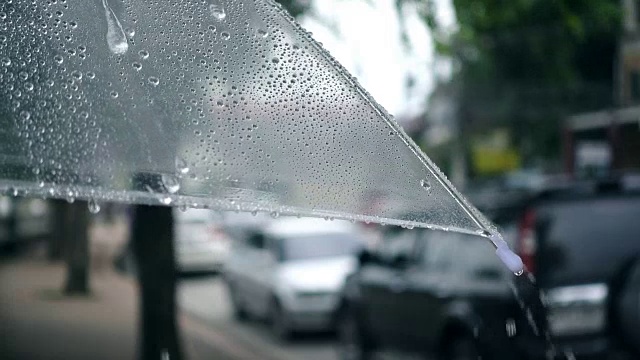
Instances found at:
x=581 y=241
x=446 y=294
x=431 y=293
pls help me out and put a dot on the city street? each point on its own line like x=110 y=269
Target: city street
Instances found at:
x=205 y=298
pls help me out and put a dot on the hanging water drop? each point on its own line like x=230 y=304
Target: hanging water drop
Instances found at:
x=116 y=38
x=275 y=214
x=425 y=184
x=170 y=183
x=94 y=207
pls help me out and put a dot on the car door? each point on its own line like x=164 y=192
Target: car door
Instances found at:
x=251 y=273
x=382 y=285
x=429 y=285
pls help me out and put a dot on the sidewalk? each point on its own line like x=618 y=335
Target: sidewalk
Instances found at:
x=37 y=322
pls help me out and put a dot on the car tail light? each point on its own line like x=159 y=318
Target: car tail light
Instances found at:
x=527 y=241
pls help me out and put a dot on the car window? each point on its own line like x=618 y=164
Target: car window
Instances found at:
x=475 y=257
x=317 y=246
x=437 y=249
x=256 y=241
x=397 y=243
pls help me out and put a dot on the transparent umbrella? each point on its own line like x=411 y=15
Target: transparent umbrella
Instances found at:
x=220 y=104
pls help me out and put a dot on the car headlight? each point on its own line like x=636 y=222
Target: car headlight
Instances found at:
x=577 y=310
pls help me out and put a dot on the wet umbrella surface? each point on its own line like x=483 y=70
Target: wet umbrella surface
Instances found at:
x=227 y=105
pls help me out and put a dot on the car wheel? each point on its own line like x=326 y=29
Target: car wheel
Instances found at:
x=462 y=348
x=280 y=322
x=352 y=342
x=239 y=312
x=627 y=309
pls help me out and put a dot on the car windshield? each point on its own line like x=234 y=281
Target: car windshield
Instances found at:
x=317 y=246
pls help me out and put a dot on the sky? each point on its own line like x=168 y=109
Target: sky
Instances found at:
x=365 y=37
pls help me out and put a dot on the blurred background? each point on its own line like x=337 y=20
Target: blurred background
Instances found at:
x=529 y=107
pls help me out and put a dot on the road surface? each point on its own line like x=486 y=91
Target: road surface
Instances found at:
x=205 y=298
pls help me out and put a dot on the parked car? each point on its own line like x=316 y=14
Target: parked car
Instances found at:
x=445 y=293
x=581 y=241
x=292 y=272
x=430 y=293
x=201 y=243
x=22 y=220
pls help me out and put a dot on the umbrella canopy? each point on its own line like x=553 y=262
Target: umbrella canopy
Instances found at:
x=203 y=103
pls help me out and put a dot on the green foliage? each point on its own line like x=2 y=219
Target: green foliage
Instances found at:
x=526 y=64
x=295 y=7
x=541 y=41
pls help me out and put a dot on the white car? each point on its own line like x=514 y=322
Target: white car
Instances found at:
x=291 y=273
x=201 y=243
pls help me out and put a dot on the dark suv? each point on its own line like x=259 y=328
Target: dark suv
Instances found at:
x=582 y=243
x=431 y=292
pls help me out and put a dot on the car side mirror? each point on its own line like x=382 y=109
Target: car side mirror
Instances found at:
x=366 y=257
x=400 y=261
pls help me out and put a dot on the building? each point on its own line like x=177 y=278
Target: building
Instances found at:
x=609 y=140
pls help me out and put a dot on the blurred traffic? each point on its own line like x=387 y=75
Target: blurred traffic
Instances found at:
x=323 y=288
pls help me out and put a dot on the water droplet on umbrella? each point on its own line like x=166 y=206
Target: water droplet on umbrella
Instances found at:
x=181 y=166
x=154 y=80
x=130 y=31
x=262 y=33
x=425 y=184
x=137 y=66
x=116 y=38
x=225 y=35
x=217 y=10
x=94 y=207
x=144 y=54
x=6 y=61
x=170 y=183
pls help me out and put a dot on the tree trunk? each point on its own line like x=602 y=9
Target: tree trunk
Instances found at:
x=55 y=246
x=77 y=248
x=153 y=248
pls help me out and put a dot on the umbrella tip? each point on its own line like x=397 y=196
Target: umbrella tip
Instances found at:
x=510 y=259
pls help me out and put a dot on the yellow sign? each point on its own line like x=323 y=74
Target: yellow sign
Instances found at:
x=493 y=154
